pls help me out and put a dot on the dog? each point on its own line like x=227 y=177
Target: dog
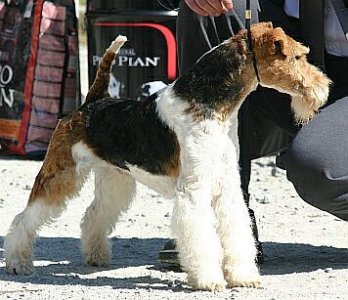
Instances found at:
x=181 y=142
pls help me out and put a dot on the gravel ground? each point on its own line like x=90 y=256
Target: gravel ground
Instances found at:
x=306 y=254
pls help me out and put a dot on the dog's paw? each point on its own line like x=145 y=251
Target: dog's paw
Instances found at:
x=207 y=284
x=98 y=259
x=17 y=267
x=97 y=252
x=242 y=276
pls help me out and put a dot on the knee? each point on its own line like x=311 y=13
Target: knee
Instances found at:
x=316 y=179
x=300 y=164
x=307 y=174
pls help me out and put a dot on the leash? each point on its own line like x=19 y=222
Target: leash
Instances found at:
x=249 y=40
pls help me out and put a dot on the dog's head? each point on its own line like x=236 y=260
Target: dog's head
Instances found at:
x=282 y=65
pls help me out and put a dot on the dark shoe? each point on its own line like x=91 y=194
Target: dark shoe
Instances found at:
x=259 y=256
x=169 y=254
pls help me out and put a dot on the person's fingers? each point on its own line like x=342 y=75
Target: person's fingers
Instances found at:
x=206 y=7
x=214 y=7
x=228 y=4
x=196 y=8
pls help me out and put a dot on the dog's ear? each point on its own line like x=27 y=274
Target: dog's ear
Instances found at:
x=280 y=46
x=278 y=42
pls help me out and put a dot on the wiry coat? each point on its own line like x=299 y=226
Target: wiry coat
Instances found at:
x=183 y=143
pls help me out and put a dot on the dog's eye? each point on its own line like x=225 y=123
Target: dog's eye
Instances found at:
x=297 y=57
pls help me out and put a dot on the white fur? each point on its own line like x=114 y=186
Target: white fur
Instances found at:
x=233 y=133
x=117 y=43
x=85 y=158
x=162 y=184
x=19 y=241
x=206 y=241
x=234 y=226
x=113 y=193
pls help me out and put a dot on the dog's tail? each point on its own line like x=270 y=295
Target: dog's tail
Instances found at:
x=99 y=88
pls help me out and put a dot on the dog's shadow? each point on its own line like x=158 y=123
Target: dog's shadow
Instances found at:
x=63 y=262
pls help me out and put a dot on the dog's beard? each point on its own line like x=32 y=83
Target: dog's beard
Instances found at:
x=305 y=108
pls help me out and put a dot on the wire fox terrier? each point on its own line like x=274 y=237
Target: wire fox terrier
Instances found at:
x=181 y=142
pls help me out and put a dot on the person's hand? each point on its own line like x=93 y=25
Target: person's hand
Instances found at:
x=210 y=7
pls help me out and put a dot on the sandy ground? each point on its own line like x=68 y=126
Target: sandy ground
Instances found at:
x=306 y=255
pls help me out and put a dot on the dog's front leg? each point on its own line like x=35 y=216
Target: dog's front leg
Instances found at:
x=199 y=247
x=193 y=222
x=234 y=226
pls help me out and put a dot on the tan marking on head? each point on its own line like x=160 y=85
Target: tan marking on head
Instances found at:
x=282 y=65
x=279 y=43
x=269 y=41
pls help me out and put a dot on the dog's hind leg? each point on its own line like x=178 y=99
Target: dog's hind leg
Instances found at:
x=234 y=229
x=113 y=193
x=57 y=181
